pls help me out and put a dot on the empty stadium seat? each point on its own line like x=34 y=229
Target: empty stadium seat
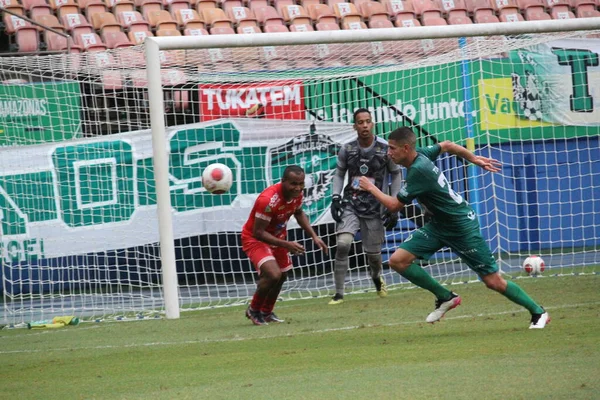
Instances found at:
x=296 y=15
x=27 y=39
x=188 y=18
x=195 y=32
x=105 y=22
x=114 y=40
x=89 y=41
x=586 y=10
x=133 y=21
x=121 y=6
x=301 y=28
x=138 y=37
x=276 y=28
x=222 y=30
x=381 y=23
x=240 y=15
x=373 y=11
x=12 y=23
x=558 y=14
x=14 y=6
x=216 y=18
x=479 y=5
x=168 y=32
x=161 y=20
x=353 y=25
x=321 y=13
x=56 y=42
x=510 y=14
x=35 y=7
x=267 y=15
x=76 y=23
x=48 y=20
x=485 y=17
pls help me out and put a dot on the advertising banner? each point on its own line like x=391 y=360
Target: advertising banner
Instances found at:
x=40 y=112
x=87 y=196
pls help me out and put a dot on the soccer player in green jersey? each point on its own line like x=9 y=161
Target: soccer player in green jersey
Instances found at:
x=453 y=224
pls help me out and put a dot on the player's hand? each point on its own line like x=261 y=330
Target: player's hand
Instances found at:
x=337 y=208
x=319 y=242
x=489 y=164
x=365 y=184
x=390 y=220
x=295 y=248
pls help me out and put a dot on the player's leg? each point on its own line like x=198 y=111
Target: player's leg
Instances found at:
x=261 y=256
x=422 y=244
x=284 y=262
x=372 y=232
x=345 y=235
x=475 y=252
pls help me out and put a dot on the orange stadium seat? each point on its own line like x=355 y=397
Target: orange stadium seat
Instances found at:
x=177 y=5
x=476 y=5
x=222 y=30
x=321 y=13
x=453 y=8
x=253 y=4
x=381 y=23
x=14 y=6
x=122 y=6
x=105 y=22
x=195 y=32
x=85 y=6
x=168 y=32
x=115 y=40
x=241 y=14
x=510 y=14
x=63 y=7
x=373 y=11
x=161 y=20
x=501 y=5
x=248 y=29
x=281 y=4
x=406 y=20
x=327 y=26
x=307 y=3
x=188 y=18
x=138 y=37
x=203 y=4
x=296 y=15
x=215 y=18
x=353 y=25
x=485 y=17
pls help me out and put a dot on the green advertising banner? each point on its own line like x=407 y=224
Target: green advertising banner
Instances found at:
x=40 y=112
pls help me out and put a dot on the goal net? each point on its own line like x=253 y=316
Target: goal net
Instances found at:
x=78 y=199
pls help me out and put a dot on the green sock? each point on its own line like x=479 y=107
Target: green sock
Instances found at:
x=422 y=279
x=517 y=295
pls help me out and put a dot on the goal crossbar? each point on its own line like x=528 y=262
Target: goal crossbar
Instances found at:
x=369 y=35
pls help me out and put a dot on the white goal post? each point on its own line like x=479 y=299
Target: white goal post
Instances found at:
x=155 y=45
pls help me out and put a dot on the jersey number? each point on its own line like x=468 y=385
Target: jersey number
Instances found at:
x=443 y=182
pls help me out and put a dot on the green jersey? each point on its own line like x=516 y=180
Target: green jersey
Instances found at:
x=426 y=183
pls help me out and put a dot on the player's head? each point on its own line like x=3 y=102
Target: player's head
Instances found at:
x=363 y=123
x=402 y=143
x=292 y=182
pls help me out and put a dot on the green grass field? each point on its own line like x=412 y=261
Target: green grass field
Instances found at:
x=366 y=348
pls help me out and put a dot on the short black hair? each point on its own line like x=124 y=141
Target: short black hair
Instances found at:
x=292 y=169
x=403 y=135
x=358 y=111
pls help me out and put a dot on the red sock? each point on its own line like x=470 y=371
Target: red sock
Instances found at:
x=269 y=305
x=257 y=302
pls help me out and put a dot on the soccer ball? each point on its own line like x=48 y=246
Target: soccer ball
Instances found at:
x=534 y=265
x=217 y=178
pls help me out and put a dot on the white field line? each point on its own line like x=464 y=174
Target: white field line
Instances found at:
x=276 y=336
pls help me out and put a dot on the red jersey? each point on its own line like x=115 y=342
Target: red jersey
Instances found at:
x=271 y=206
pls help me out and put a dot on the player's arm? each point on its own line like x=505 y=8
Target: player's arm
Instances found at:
x=489 y=164
x=390 y=202
x=304 y=223
x=259 y=231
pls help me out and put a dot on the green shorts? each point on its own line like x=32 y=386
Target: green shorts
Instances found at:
x=466 y=242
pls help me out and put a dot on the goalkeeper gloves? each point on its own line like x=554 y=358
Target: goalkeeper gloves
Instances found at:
x=337 y=208
x=390 y=220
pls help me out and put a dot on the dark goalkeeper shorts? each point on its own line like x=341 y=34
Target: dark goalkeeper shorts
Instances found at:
x=466 y=242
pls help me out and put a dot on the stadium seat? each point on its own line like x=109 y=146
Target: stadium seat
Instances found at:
x=216 y=18
x=114 y=40
x=133 y=21
x=122 y=6
x=373 y=11
x=177 y=5
x=76 y=23
x=36 y=7
x=395 y=7
x=406 y=20
x=105 y=22
x=240 y=15
x=89 y=41
x=188 y=18
x=458 y=20
x=222 y=30
x=510 y=14
x=381 y=23
x=267 y=15
x=56 y=42
x=161 y=20
x=48 y=20
x=27 y=39
x=295 y=14
x=204 y=4
x=88 y=7
x=137 y=37
x=321 y=13
x=475 y=5
x=64 y=7
x=536 y=14
x=14 y=6
x=12 y=23
x=353 y=25
x=586 y=10
x=485 y=16
x=525 y=4
x=506 y=7
x=253 y=4
x=307 y=3
x=301 y=28
x=347 y=12
x=558 y=14
x=327 y=26
x=195 y=32
x=281 y=4
x=276 y=28
x=168 y=32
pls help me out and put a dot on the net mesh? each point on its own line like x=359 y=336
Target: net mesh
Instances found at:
x=77 y=196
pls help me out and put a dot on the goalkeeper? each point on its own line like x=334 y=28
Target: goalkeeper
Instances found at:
x=356 y=210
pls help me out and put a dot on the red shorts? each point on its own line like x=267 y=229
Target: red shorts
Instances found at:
x=259 y=252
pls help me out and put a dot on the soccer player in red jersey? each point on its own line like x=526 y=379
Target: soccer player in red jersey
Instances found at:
x=264 y=240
